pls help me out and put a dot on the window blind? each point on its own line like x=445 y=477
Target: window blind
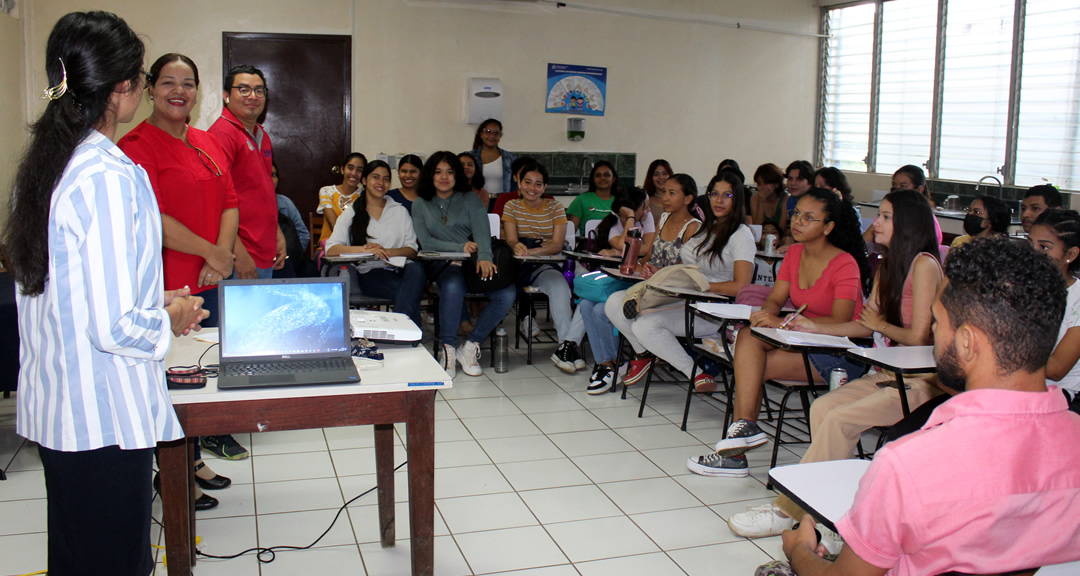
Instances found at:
x=846 y=86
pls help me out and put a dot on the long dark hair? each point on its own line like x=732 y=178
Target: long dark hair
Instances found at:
x=478 y=141
x=631 y=198
x=649 y=185
x=478 y=180
x=721 y=231
x=614 y=174
x=426 y=190
x=99 y=51
x=847 y=234
x=913 y=233
x=155 y=68
x=836 y=180
x=1065 y=224
x=358 y=230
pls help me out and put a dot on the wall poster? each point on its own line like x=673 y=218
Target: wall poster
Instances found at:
x=578 y=90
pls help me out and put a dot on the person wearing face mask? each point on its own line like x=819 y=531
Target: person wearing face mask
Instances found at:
x=377 y=224
x=986 y=217
x=409 y=167
x=333 y=200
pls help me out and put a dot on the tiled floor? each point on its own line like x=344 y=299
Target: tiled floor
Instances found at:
x=533 y=477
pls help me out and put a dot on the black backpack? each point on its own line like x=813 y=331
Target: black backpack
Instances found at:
x=506 y=269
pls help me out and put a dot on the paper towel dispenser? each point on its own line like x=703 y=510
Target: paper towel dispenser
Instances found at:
x=485 y=97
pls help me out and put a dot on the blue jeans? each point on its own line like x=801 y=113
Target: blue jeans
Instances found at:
x=405 y=286
x=601 y=331
x=451 y=283
x=265 y=273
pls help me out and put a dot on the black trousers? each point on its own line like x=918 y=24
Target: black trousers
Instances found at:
x=99 y=511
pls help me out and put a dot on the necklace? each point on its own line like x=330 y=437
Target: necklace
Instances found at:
x=444 y=209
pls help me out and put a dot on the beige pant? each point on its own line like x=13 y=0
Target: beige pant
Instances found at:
x=839 y=418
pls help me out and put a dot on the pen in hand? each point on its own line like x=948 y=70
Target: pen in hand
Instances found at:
x=791 y=317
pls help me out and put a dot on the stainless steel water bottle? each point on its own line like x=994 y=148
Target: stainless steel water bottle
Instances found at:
x=502 y=351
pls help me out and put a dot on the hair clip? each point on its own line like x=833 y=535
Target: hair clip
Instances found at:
x=60 y=89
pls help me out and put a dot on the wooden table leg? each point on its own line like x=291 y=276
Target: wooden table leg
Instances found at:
x=420 y=432
x=384 y=474
x=177 y=503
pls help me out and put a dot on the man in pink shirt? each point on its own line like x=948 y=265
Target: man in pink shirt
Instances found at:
x=991 y=483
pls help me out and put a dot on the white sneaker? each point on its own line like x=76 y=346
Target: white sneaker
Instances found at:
x=524 y=328
x=759 y=522
x=446 y=360
x=469 y=355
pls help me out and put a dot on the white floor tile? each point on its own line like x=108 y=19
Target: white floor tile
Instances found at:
x=617 y=467
x=226 y=536
x=501 y=426
x=451 y=431
x=731 y=559
x=353 y=486
x=488 y=512
x=592 y=442
x=512 y=549
x=443 y=411
x=568 y=421
x=471 y=388
x=516 y=372
x=562 y=570
x=366 y=528
x=673 y=460
x=653 y=437
x=521 y=449
x=637 y=496
x=353 y=436
x=655 y=564
x=287 y=441
x=25 y=553
x=302 y=528
x=570 y=503
x=585 y=540
x=336 y=561
x=542 y=403
x=773 y=546
x=712 y=490
x=543 y=474
x=625 y=415
x=469 y=481
x=464 y=453
x=242 y=566
x=24 y=517
x=298 y=466
x=685 y=528
x=23 y=486
x=528 y=387
x=239 y=471
x=397 y=561
x=236 y=500
x=298 y=495
x=26 y=458
x=480 y=407
x=356 y=461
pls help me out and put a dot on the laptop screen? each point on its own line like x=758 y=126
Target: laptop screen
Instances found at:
x=284 y=318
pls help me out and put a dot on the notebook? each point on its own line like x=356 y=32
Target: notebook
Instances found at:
x=285 y=332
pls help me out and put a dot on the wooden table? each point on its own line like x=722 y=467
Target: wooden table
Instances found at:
x=403 y=390
x=900 y=360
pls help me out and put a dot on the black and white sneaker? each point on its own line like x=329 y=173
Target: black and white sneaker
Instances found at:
x=602 y=379
x=742 y=436
x=567 y=357
x=719 y=466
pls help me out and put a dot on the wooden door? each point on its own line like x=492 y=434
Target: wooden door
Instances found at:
x=308 y=107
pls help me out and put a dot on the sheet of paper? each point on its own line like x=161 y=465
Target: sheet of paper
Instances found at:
x=807 y=338
x=434 y=254
x=213 y=337
x=397 y=261
x=734 y=311
x=351 y=257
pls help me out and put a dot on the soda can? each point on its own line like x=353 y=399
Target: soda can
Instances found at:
x=770 y=243
x=837 y=378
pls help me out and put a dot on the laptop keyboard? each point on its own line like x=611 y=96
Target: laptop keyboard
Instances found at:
x=286 y=367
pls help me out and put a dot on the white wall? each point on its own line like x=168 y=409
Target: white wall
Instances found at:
x=691 y=93
x=12 y=110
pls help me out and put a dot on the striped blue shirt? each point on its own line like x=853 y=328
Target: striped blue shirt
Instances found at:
x=92 y=373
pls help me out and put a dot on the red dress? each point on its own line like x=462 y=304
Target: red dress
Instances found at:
x=188 y=188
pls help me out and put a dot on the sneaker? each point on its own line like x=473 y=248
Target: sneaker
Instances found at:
x=469 y=355
x=638 y=369
x=742 y=436
x=447 y=360
x=524 y=328
x=704 y=383
x=567 y=357
x=760 y=522
x=716 y=465
x=602 y=379
x=223 y=447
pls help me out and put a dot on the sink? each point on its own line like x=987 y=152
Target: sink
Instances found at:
x=567 y=189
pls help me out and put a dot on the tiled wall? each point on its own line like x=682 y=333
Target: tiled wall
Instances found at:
x=566 y=167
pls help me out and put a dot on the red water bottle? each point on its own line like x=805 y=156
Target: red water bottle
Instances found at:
x=631 y=249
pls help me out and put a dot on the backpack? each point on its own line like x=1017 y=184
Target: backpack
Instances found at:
x=640 y=299
x=506 y=269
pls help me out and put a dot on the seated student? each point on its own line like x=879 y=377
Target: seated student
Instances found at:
x=334 y=199
x=1037 y=199
x=448 y=217
x=677 y=226
x=1056 y=233
x=987 y=216
x=658 y=172
x=991 y=484
x=910 y=177
x=409 y=167
x=515 y=177
x=767 y=206
x=800 y=178
x=596 y=203
x=897 y=314
x=723 y=248
x=536 y=226
x=476 y=177
x=832 y=178
x=827 y=271
x=377 y=224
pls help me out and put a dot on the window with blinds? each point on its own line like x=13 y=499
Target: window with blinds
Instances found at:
x=848 y=66
x=1048 y=139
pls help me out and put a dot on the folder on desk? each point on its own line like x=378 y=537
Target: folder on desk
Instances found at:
x=285 y=332
x=807 y=338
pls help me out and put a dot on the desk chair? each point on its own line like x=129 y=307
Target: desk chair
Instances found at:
x=590 y=227
x=315 y=224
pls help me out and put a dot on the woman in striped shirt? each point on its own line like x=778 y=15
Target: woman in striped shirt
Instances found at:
x=94 y=319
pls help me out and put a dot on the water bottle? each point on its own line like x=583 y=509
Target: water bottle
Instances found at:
x=502 y=351
x=630 y=251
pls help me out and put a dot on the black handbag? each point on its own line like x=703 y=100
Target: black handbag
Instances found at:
x=506 y=269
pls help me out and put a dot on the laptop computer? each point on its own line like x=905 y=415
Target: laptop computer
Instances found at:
x=384 y=327
x=285 y=332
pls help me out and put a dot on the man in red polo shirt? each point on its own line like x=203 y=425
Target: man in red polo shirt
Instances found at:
x=248 y=152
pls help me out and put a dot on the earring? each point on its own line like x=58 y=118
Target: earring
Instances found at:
x=226 y=99
x=195 y=102
x=151 y=96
